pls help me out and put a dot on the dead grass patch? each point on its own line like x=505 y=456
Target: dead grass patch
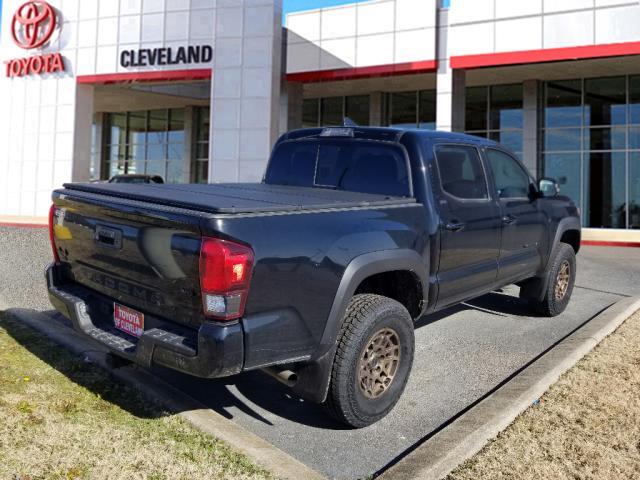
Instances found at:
x=587 y=426
x=65 y=419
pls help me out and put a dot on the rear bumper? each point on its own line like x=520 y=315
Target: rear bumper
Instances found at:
x=215 y=350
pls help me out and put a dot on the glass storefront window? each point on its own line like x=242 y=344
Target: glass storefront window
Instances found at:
x=563 y=104
x=137 y=128
x=200 y=165
x=331 y=111
x=505 y=107
x=146 y=142
x=634 y=100
x=606 y=138
x=403 y=109
x=605 y=101
x=512 y=139
x=565 y=169
x=591 y=146
x=414 y=109
x=357 y=109
x=634 y=190
x=310 y=113
x=118 y=128
x=496 y=113
x=427 y=109
x=476 y=107
x=157 y=129
x=562 y=139
x=605 y=175
x=176 y=133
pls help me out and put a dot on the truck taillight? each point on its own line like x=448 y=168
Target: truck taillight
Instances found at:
x=52 y=236
x=225 y=274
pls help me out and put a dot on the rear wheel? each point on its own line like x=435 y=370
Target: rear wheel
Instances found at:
x=560 y=281
x=372 y=362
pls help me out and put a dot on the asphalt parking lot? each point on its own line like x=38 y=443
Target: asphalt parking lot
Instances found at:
x=462 y=354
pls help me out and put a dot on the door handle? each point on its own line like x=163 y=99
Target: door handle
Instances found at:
x=509 y=219
x=454 y=227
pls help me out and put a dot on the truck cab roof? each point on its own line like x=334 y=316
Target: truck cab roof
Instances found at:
x=388 y=134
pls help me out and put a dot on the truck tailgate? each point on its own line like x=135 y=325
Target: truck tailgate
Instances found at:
x=143 y=258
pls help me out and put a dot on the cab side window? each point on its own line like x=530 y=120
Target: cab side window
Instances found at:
x=511 y=179
x=461 y=172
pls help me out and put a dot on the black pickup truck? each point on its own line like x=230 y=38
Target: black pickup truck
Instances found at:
x=317 y=274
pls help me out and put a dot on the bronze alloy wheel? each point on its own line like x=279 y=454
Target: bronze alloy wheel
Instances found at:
x=562 y=280
x=379 y=363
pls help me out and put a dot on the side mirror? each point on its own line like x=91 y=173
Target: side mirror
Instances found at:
x=548 y=187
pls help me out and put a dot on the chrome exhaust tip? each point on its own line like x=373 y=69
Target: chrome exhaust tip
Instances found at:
x=287 y=377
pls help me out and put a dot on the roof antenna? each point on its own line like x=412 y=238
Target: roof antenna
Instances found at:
x=347 y=122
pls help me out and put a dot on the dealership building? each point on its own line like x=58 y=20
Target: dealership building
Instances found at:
x=199 y=90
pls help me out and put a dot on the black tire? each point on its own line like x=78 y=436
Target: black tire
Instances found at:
x=368 y=317
x=552 y=304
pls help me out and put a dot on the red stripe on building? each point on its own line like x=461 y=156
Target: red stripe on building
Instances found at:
x=155 y=76
x=545 y=55
x=427 y=66
x=600 y=243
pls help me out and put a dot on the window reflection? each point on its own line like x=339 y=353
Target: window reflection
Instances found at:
x=332 y=111
x=563 y=104
x=200 y=165
x=413 y=109
x=565 y=169
x=357 y=109
x=634 y=190
x=496 y=112
x=604 y=175
x=148 y=142
x=605 y=101
x=506 y=107
x=589 y=137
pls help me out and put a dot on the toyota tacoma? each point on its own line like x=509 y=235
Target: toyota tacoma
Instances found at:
x=317 y=274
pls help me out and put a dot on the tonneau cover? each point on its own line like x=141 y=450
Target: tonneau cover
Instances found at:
x=238 y=197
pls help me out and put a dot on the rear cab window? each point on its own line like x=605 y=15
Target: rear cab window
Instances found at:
x=352 y=165
x=461 y=172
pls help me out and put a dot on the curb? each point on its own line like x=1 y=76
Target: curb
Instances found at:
x=260 y=451
x=458 y=441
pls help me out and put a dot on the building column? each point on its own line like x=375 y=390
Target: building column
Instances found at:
x=290 y=106
x=245 y=99
x=450 y=84
x=530 y=147
x=82 y=133
x=376 y=113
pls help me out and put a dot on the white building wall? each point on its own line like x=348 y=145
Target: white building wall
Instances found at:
x=378 y=32
x=245 y=102
x=495 y=26
x=46 y=123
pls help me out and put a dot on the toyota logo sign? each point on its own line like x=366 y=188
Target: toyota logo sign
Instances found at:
x=33 y=24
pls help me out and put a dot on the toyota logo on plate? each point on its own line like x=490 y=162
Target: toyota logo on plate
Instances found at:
x=33 y=24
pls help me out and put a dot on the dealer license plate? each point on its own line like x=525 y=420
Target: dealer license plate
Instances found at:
x=128 y=320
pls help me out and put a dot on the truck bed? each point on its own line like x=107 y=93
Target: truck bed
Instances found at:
x=239 y=198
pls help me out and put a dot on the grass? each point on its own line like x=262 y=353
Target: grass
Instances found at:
x=62 y=418
x=587 y=426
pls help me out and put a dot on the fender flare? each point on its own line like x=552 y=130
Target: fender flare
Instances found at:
x=314 y=376
x=564 y=225
x=535 y=288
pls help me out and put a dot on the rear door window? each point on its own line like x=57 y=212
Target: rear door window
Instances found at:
x=461 y=172
x=356 y=166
